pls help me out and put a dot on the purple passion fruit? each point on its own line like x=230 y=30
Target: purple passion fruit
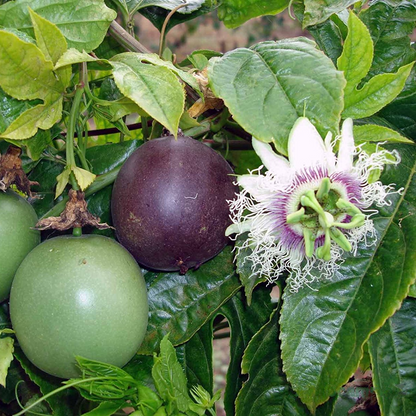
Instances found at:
x=169 y=203
x=78 y=296
x=17 y=236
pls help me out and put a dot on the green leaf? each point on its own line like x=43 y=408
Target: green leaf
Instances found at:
x=317 y=11
x=266 y=392
x=51 y=42
x=181 y=304
x=155 y=89
x=324 y=326
x=328 y=37
x=235 y=12
x=357 y=54
x=83 y=25
x=244 y=322
x=105 y=409
x=402 y=111
x=11 y=108
x=74 y=56
x=36 y=144
x=169 y=378
x=140 y=368
x=390 y=23
x=393 y=356
x=412 y=291
x=155 y=60
x=43 y=116
x=149 y=401
x=192 y=5
x=19 y=77
x=196 y=358
x=376 y=93
x=157 y=15
x=375 y=133
x=62 y=403
x=245 y=270
x=84 y=177
x=62 y=180
x=274 y=71
x=6 y=357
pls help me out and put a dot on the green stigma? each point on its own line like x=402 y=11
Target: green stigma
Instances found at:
x=317 y=215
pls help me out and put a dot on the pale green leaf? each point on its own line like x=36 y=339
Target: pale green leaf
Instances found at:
x=84 y=24
x=6 y=357
x=83 y=177
x=62 y=180
x=74 y=56
x=325 y=324
x=36 y=144
x=376 y=93
x=170 y=379
x=235 y=12
x=155 y=60
x=393 y=356
x=106 y=408
x=51 y=42
x=317 y=11
x=375 y=133
x=48 y=37
x=357 y=54
x=24 y=72
x=43 y=116
x=291 y=78
x=155 y=89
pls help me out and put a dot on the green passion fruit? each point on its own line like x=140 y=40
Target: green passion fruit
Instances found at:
x=169 y=203
x=81 y=296
x=17 y=236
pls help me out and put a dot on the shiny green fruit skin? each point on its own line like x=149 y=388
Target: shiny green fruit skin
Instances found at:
x=78 y=296
x=17 y=238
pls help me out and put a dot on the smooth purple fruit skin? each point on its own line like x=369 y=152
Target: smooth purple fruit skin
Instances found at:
x=169 y=203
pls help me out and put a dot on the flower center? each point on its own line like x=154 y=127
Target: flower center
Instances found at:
x=320 y=213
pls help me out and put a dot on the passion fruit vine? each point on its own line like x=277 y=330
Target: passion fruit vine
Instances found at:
x=169 y=203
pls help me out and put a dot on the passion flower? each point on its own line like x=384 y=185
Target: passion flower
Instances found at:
x=305 y=211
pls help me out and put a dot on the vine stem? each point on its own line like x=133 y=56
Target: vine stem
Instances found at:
x=125 y=39
x=165 y=24
x=58 y=390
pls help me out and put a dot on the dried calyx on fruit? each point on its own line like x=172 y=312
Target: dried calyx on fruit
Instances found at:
x=169 y=203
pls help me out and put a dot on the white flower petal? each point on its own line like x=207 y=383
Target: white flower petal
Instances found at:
x=346 y=147
x=305 y=147
x=239 y=228
x=254 y=185
x=273 y=162
x=330 y=156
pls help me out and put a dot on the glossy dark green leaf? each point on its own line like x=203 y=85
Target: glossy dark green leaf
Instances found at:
x=11 y=108
x=273 y=70
x=324 y=326
x=245 y=270
x=181 y=304
x=244 y=322
x=393 y=355
x=63 y=403
x=157 y=15
x=266 y=392
x=140 y=368
x=349 y=397
x=390 y=23
x=328 y=37
x=195 y=357
x=402 y=111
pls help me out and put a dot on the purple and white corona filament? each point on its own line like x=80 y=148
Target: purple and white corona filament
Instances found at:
x=307 y=209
